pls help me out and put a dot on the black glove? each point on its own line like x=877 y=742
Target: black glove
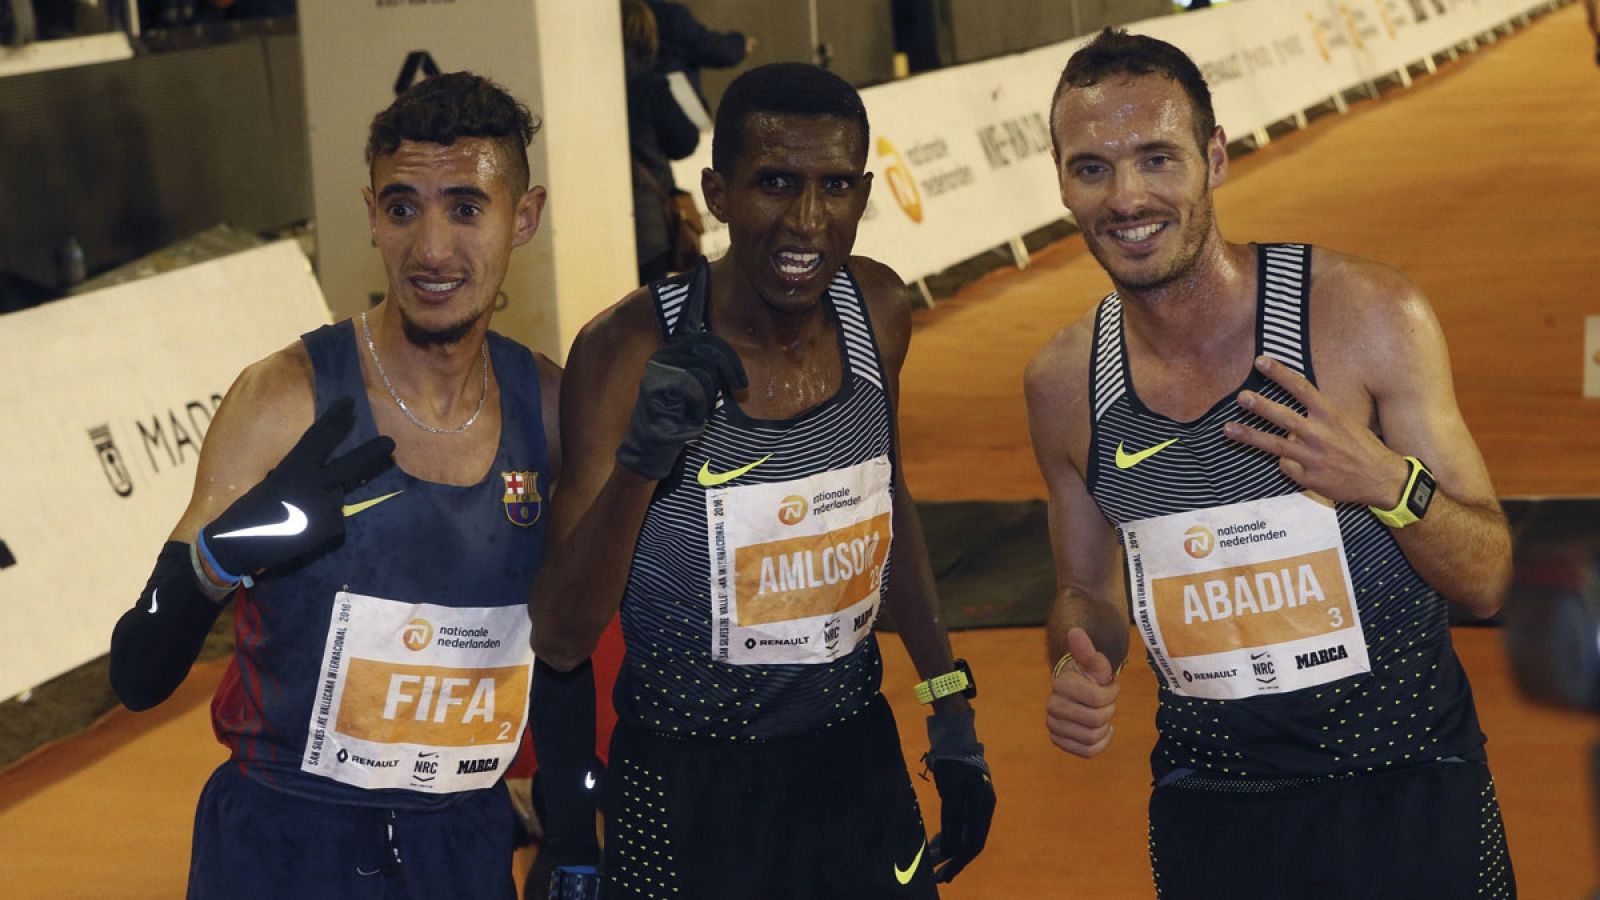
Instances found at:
x=676 y=397
x=966 y=792
x=297 y=508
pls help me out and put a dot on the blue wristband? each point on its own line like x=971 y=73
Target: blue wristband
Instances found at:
x=205 y=552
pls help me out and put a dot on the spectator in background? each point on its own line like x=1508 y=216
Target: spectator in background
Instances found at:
x=666 y=229
x=687 y=46
x=1591 y=8
x=16 y=23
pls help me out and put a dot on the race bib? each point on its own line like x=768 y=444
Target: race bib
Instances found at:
x=797 y=566
x=419 y=697
x=1248 y=599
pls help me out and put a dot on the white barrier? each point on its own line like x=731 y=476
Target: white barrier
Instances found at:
x=64 y=53
x=107 y=399
x=961 y=157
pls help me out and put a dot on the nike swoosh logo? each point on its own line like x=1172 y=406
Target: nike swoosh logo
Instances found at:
x=588 y=781
x=712 y=479
x=1126 y=460
x=351 y=509
x=155 y=601
x=904 y=875
x=294 y=522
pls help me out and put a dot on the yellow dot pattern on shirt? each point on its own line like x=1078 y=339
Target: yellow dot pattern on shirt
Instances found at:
x=1368 y=723
x=676 y=689
x=639 y=845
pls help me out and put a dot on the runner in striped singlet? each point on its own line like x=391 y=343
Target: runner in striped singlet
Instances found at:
x=1287 y=554
x=733 y=486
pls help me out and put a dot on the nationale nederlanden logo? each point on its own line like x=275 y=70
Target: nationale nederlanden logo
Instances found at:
x=417 y=634
x=792 y=511
x=1198 y=541
x=901 y=184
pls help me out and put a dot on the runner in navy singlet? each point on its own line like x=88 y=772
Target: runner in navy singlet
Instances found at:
x=1248 y=424
x=373 y=499
x=734 y=488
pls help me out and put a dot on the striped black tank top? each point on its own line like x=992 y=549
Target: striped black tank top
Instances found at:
x=669 y=680
x=1414 y=705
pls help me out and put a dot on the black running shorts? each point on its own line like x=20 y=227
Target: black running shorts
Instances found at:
x=1430 y=831
x=824 y=815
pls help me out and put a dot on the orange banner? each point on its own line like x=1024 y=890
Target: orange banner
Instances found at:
x=801 y=577
x=392 y=703
x=1252 y=606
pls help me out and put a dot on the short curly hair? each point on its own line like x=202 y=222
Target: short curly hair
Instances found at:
x=1117 y=53
x=795 y=89
x=455 y=105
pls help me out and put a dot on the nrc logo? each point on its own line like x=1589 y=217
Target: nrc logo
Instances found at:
x=417 y=634
x=792 y=511
x=474 y=766
x=1198 y=542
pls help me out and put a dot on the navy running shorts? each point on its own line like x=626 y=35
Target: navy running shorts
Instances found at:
x=251 y=841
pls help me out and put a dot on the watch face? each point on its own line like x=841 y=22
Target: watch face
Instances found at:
x=1421 y=494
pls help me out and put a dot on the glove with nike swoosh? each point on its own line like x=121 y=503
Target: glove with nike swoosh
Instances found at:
x=676 y=396
x=296 y=509
x=966 y=792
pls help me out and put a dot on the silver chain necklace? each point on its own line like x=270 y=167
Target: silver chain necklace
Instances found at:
x=373 y=349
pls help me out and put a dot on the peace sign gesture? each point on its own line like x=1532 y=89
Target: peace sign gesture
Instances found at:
x=1323 y=450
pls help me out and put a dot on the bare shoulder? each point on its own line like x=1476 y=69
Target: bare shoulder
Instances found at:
x=626 y=330
x=1365 y=299
x=1370 y=318
x=269 y=406
x=1059 y=371
x=272 y=402
x=1056 y=387
x=888 y=303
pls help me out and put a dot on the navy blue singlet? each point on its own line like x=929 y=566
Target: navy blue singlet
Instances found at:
x=429 y=551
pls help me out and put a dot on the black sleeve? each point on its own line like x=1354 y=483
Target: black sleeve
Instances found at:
x=563 y=724
x=156 y=642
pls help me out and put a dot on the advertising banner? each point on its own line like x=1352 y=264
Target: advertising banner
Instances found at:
x=108 y=399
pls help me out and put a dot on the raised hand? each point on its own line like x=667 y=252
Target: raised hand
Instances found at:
x=1083 y=698
x=676 y=396
x=1322 y=450
x=296 y=510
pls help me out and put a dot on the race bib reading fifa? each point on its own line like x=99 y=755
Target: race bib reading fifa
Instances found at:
x=419 y=697
x=797 y=566
x=1248 y=599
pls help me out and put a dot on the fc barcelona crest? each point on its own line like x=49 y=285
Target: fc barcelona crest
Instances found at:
x=523 y=503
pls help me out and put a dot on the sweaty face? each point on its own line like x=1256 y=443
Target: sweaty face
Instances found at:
x=792 y=204
x=1134 y=178
x=445 y=222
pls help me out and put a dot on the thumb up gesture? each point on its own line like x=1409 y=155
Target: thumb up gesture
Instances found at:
x=1083 y=698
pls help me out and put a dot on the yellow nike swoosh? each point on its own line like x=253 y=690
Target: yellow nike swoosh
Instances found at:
x=904 y=875
x=1126 y=460
x=351 y=509
x=712 y=479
